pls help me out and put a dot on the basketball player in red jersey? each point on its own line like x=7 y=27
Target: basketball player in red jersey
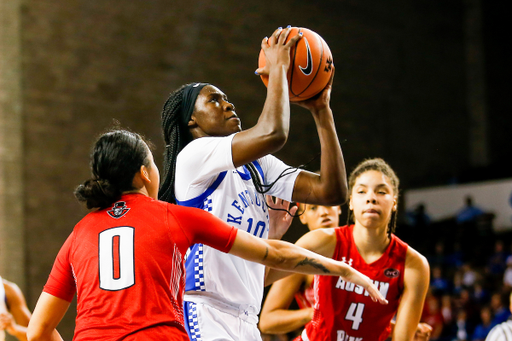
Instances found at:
x=125 y=259
x=341 y=310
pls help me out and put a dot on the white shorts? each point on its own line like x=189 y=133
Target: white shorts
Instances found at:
x=207 y=320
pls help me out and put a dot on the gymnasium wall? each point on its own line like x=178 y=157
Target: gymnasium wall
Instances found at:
x=399 y=90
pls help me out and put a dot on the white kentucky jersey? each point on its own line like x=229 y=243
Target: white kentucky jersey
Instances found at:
x=206 y=178
x=3 y=306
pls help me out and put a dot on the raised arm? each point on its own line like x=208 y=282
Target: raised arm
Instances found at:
x=271 y=131
x=416 y=280
x=330 y=187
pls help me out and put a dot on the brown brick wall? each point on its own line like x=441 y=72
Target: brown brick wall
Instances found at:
x=398 y=90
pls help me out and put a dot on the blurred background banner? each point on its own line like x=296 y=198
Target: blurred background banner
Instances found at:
x=445 y=202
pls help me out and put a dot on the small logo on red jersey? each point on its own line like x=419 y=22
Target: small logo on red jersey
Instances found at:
x=391 y=273
x=118 y=210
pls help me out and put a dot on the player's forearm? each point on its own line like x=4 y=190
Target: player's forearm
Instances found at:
x=274 y=120
x=289 y=257
x=333 y=177
x=282 y=321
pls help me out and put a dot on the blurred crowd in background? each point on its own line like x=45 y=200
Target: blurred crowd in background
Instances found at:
x=471 y=272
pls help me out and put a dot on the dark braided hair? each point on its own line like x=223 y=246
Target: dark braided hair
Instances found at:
x=116 y=158
x=176 y=137
x=378 y=165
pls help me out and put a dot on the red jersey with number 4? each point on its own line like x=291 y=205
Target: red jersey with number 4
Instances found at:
x=344 y=311
x=126 y=265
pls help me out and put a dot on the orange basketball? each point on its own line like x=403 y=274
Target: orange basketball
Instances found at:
x=311 y=65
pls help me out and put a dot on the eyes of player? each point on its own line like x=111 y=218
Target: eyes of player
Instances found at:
x=382 y=190
x=216 y=98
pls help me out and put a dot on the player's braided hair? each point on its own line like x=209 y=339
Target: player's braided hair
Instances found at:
x=116 y=158
x=176 y=137
x=379 y=165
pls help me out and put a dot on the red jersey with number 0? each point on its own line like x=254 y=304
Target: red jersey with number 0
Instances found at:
x=344 y=311
x=126 y=265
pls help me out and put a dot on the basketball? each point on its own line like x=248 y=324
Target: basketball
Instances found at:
x=311 y=65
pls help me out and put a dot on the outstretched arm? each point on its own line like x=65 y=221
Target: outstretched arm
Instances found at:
x=320 y=241
x=330 y=187
x=271 y=131
x=416 y=280
x=289 y=257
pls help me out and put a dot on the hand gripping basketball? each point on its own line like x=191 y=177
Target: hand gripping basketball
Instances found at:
x=311 y=63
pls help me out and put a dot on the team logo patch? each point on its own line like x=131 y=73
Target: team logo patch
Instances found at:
x=391 y=273
x=118 y=210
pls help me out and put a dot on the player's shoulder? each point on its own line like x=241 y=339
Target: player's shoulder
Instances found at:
x=415 y=260
x=499 y=331
x=322 y=241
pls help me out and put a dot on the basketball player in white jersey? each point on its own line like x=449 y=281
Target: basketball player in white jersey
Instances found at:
x=14 y=313
x=211 y=163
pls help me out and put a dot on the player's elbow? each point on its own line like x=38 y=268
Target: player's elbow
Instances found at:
x=335 y=195
x=34 y=333
x=276 y=138
x=264 y=325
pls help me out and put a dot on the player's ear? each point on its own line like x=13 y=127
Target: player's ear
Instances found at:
x=144 y=174
x=192 y=122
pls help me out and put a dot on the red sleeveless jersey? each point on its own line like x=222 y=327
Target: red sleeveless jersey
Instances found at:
x=346 y=312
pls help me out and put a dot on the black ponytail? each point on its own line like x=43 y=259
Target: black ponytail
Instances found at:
x=116 y=158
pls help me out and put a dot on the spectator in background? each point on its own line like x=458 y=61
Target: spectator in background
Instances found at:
x=480 y=294
x=466 y=303
x=501 y=313
x=469 y=213
x=447 y=309
x=502 y=331
x=497 y=262
x=456 y=258
x=432 y=315
x=457 y=283
x=438 y=283
x=485 y=327
x=418 y=217
x=438 y=258
x=469 y=276
x=461 y=333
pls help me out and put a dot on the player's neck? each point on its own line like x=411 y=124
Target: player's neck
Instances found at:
x=371 y=242
x=142 y=190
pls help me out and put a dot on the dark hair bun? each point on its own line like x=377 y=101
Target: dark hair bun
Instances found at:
x=97 y=193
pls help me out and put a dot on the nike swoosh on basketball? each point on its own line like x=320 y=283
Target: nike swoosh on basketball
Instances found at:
x=309 y=66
